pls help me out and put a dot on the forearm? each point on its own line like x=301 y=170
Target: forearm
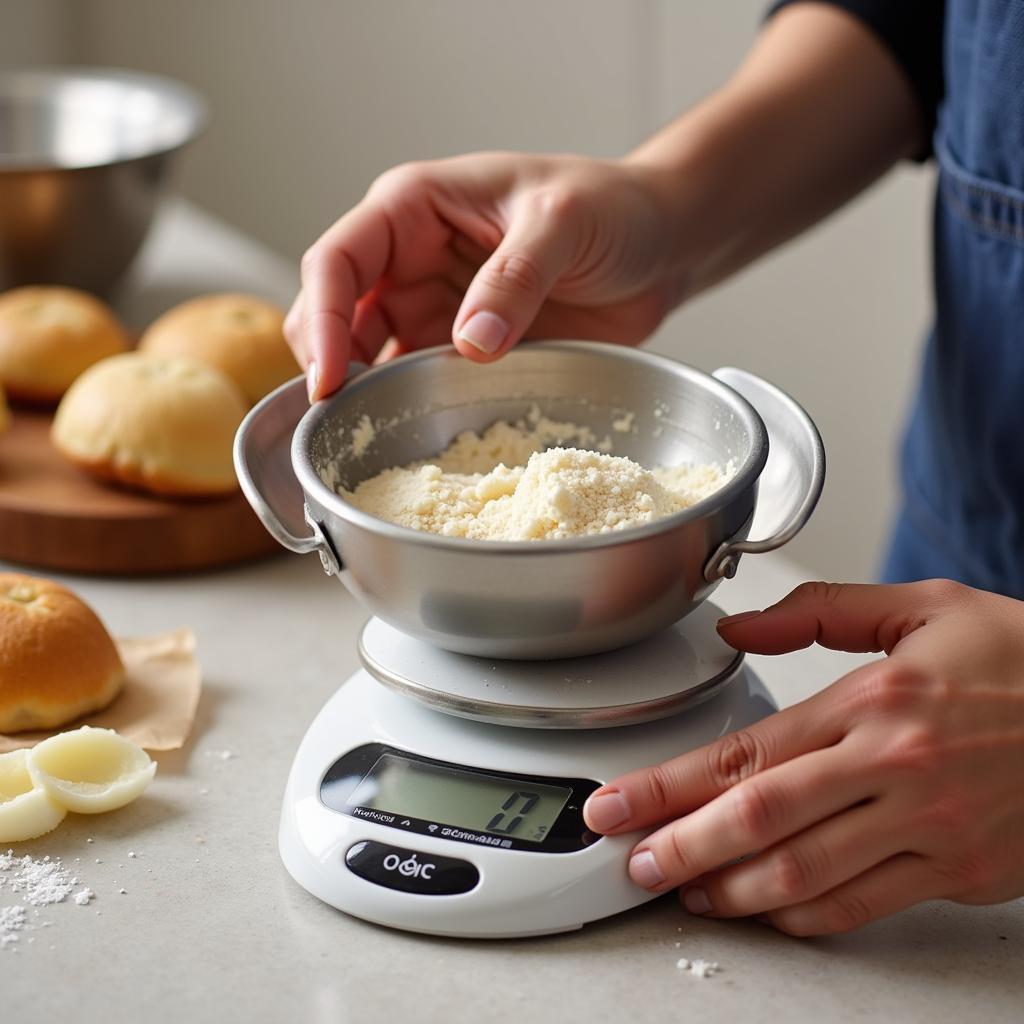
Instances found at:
x=817 y=112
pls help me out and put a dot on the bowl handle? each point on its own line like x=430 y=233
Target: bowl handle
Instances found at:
x=263 y=464
x=792 y=479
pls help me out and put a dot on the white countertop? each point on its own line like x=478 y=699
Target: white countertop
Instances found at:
x=211 y=928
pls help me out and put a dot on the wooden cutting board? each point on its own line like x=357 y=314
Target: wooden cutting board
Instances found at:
x=53 y=516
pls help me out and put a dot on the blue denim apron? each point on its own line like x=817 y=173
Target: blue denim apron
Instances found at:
x=963 y=453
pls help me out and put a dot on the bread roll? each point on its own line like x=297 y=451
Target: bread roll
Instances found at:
x=164 y=425
x=50 y=335
x=239 y=334
x=57 y=661
x=5 y=415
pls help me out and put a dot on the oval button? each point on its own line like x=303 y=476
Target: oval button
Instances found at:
x=411 y=870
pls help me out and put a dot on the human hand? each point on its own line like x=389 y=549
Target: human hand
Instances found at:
x=901 y=782
x=484 y=250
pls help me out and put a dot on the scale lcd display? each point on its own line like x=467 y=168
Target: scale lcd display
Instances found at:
x=464 y=799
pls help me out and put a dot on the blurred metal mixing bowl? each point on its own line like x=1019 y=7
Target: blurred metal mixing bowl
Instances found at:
x=84 y=153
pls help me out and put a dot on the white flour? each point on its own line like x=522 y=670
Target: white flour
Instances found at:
x=509 y=483
x=363 y=435
x=12 y=920
x=38 y=883
x=698 y=967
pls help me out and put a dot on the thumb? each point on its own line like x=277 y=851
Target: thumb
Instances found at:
x=841 y=616
x=508 y=290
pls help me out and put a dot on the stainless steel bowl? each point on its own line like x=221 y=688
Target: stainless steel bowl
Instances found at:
x=84 y=153
x=533 y=599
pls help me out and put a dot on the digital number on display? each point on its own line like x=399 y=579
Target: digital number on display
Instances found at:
x=515 y=815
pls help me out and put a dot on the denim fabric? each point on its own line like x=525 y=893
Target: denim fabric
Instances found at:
x=963 y=453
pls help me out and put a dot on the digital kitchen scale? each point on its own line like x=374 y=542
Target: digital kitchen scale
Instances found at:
x=441 y=793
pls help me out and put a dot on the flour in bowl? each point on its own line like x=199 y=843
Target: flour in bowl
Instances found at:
x=508 y=484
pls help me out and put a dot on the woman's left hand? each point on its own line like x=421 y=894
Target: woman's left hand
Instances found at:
x=901 y=782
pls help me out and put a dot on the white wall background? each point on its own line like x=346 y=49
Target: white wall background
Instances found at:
x=312 y=98
x=34 y=32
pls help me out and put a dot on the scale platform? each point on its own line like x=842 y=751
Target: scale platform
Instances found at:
x=662 y=676
x=412 y=803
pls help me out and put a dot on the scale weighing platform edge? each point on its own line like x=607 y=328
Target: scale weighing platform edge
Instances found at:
x=443 y=794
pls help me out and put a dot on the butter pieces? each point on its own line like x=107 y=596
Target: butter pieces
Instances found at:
x=91 y=770
x=26 y=810
x=86 y=770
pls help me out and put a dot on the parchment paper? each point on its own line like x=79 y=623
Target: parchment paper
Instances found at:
x=157 y=704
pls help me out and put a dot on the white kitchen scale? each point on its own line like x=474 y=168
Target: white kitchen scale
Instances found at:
x=442 y=793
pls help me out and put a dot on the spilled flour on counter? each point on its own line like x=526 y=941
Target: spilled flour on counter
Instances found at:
x=39 y=883
x=12 y=920
x=698 y=967
x=85 y=897
x=518 y=482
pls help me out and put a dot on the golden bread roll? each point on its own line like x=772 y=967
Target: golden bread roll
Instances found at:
x=162 y=424
x=50 y=335
x=57 y=660
x=5 y=414
x=239 y=334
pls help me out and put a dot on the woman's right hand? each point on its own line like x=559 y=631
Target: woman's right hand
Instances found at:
x=484 y=250
x=487 y=249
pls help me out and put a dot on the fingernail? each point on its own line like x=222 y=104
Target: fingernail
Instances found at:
x=731 y=620
x=312 y=379
x=696 y=901
x=607 y=810
x=486 y=331
x=644 y=870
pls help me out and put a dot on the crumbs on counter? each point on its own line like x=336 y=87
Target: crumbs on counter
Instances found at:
x=39 y=883
x=12 y=920
x=698 y=967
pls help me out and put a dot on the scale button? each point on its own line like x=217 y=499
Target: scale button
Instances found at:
x=411 y=870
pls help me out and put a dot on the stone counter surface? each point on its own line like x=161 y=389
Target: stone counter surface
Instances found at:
x=211 y=928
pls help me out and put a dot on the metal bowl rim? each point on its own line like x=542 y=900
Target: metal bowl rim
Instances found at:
x=187 y=98
x=742 y=480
